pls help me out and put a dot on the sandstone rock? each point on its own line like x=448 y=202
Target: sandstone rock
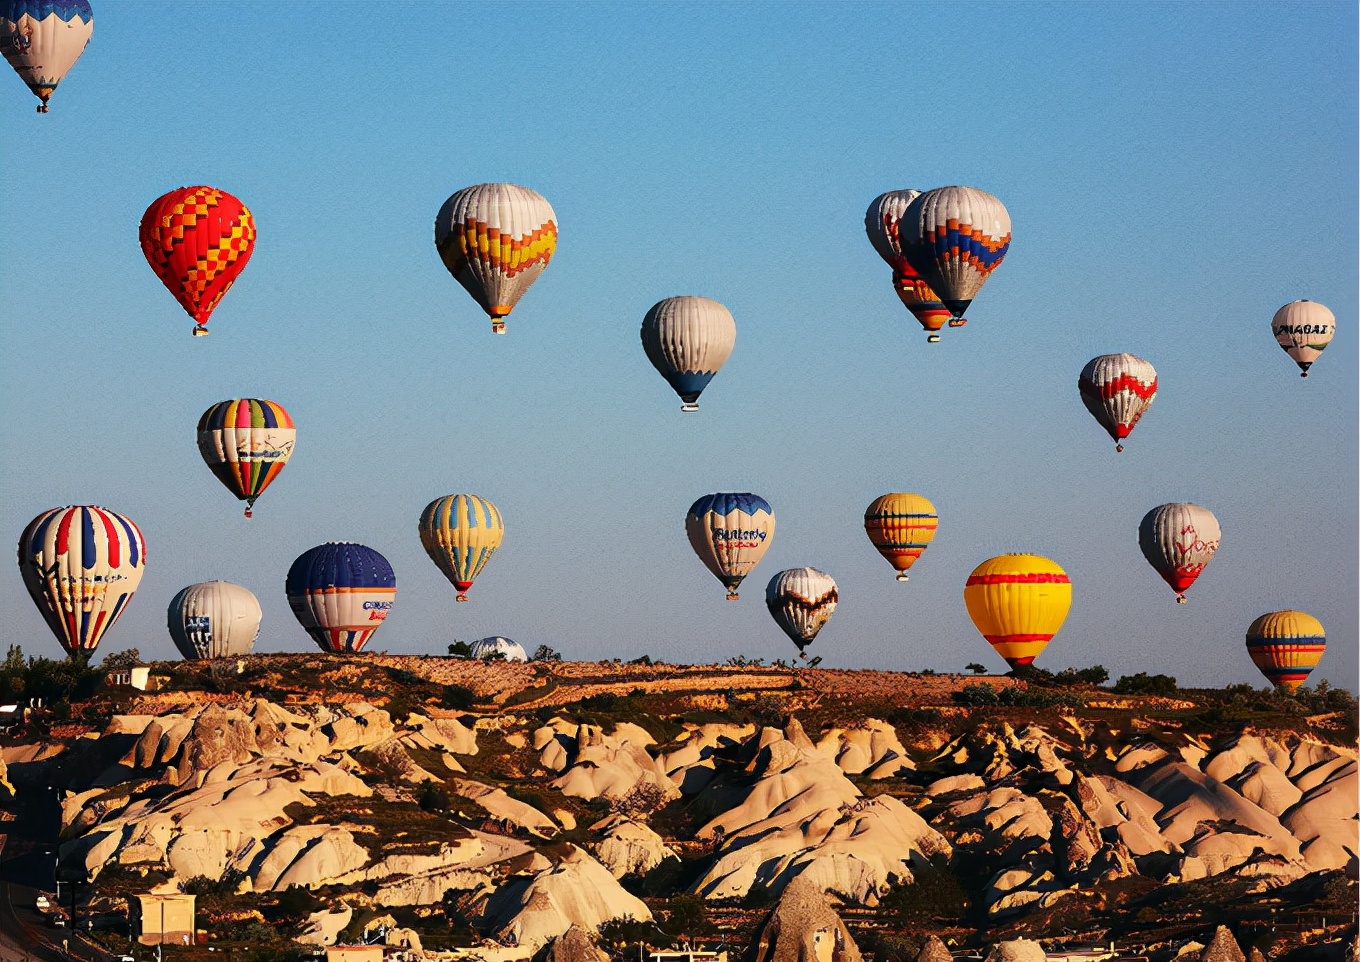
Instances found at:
x=611 y=765
x=322 y=928
x=804 y=928
x=934 y=951
x=1223 y=948
x=509 y=810
x=1017 y=950
x=627 y=847
x=573 y=945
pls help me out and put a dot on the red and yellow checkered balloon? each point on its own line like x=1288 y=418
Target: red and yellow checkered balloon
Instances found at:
x=197 y=239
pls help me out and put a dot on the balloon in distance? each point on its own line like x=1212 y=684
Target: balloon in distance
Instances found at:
x=341 y=593
x=81 y=564
x=214 y=619
x=882 y=222
x=955 y=237
x=498 y=646
x=1286 y=646
x=1018 y=602
x=801 y=601
x=901 y=525
x=1303 y=329
x=460 y=532
x=198 y=240
x=1117 y=389
x=246 y=442
x=1178 y=540
x=42 y=40
x=730 y=533
x=496 y=239
x=688 y=339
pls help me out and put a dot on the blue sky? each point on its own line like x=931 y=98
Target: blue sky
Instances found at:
x=1174 y=173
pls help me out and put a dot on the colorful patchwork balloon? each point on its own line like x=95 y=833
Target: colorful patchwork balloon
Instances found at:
x=1178 y=540
x=730 y=533
x=801 y=601
x=900 y=525
x=495 y=239
x=214 y=619
x=955 y=237
x=245 y=443
x=42 y=40
x=341 y=593
x=197 y=240
x=882 y=224
x=1303 y=329
x=460 y=532
x=1117 y=389
x=1018 y=602
x=688 y=339
x=1286 y=646
x=81 y=565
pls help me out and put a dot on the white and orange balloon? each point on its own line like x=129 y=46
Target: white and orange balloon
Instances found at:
x=955 y=237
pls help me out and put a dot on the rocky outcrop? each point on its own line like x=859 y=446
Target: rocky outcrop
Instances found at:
x=599 y=765
x=627 y=847
x=1016 y=950
x=804 y=928
x=1223 y=948
x=573 y=945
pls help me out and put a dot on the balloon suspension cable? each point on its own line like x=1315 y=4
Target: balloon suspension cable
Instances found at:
x=1180 y=599
x=901 y=576
x=689 y=407
x=932 y=338
x=462 y=596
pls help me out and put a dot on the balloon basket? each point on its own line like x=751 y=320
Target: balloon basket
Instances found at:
x=1304 y=374
x=901 y=576
x=42 y=108
x=462 y=597
x=1181 y=599
x=200 y=332
x=733 y=596
x=249 y=513
x=1118 y=449
x=497 y=327
x=958 y=321
x=932 y=339
x=689 y=407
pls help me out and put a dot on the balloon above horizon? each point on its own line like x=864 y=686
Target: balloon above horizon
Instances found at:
x=730 y=533
x=1117 y=389
x=246 y=442
x=955 y=237
x=882 y=222
x=1018 y=602
x=198 y=240
x=801 y=601
x=460 y=532
x=688 y=339
x=340 y=593
x=1179 y=539
x=1286 y=646
x=496 y=239
x=901 y=526
x=1304 y=329
x=42 y=40
x=81 y=565
x=214 y=619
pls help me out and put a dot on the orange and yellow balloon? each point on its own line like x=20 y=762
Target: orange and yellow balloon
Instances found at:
x=1018 y=602
x=901 y=525
x=1286 y=646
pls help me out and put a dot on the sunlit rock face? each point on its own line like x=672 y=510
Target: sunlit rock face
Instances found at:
x=804 y=927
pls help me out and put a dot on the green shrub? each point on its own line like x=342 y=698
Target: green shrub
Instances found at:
x=1145 y=684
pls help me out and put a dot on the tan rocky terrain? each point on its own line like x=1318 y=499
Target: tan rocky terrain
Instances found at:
x=307 y=796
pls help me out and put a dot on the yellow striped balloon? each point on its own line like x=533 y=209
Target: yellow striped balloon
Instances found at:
x=1018 y=602
x=901 y=525
x=1286 y=646
x=460 y=532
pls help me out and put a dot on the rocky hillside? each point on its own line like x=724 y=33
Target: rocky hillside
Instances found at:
x=311 y=798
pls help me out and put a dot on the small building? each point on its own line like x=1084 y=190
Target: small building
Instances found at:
x=354 y=953
x=167 y=918
x=139 y=677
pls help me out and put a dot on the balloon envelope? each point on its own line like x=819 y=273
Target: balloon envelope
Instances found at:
x=688 y=339
x=495 y=239
x=730 y=533
x=900 y=525
x=955 y=237
x=214 y=619
x=498 y=645
x=341 y=593
x=197 y=240
x=460 y=532
x=801 y=601
x=1303 y=329
x=42 y=39
x=1178 y=540
x=1018 y=602
x=882 y=222
x=245 y=443
x=1286 y=646
x=81 y=565
x=1117 y=389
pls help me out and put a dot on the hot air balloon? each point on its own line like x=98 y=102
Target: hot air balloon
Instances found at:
x=459 y=533
x=901 y=525
x=213 y=619
x=1018 y=602
x=801 y=601
x=496 y=239
x=955 y=237
x=246 y=442
x=688 y=339
x=197 y=240
x=1117 y=389
x=341 y=592
x=730 y=532
x=1286 y=646
x=42 y=40
x=881 y=223
x=81 y=564
x=1303 y=329
x=485 y=648
x=1178 y=540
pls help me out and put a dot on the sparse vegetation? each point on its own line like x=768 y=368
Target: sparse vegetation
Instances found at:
x=1144 y=684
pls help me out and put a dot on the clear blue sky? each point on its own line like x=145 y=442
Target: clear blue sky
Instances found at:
x=1174 y=173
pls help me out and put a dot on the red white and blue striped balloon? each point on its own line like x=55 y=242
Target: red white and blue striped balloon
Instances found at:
x=955 y=237
x=82 y=565
x=341 y=593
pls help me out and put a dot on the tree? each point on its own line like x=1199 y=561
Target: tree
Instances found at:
x=122 y=660
x=975 y=668
x=545 y=653
x=460 y=649
x=1145 y=684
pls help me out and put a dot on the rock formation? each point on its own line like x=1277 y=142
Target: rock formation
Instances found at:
x=804 y=927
